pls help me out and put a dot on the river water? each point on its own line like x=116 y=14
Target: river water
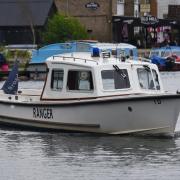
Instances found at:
x=29 y=155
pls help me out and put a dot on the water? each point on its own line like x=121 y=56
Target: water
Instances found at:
x=27 y=155
x=59 y=156
x=171 y=81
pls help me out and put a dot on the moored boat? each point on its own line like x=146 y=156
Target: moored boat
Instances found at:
x=166 y=58
x=99 y=93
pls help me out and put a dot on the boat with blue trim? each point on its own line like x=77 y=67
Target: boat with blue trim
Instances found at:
x=166 y=58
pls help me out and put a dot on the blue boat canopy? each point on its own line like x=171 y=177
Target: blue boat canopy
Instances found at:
x=159 y=55
x=40 y=55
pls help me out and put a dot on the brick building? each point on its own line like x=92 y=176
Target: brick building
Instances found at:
x=162 y=7
x=100 y=17
x=148 y=7
x=95 y=15
x=174 y=12
x=128 y=8
x=146 y=27
x=153 y=8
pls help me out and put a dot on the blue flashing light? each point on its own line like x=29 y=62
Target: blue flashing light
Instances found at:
x=95 y=52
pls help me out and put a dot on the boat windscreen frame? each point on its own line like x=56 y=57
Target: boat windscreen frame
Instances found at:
x=114 y=76
x=79 y=75
x=153 y=83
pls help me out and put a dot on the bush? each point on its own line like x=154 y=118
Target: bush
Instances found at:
x=61 y=28
x=13 y=54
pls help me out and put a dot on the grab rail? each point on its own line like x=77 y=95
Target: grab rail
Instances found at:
x=74 y=59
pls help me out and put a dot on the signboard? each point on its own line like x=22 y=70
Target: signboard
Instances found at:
x=92 y=5
x=149 y=20
x=145 y=8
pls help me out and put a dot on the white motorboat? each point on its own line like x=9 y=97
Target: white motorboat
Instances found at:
x=94 y=92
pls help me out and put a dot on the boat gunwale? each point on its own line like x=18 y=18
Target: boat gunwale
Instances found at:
x=92 y=100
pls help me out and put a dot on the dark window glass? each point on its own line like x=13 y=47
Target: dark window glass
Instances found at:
x=113 y=79
x=57 y=79
x=80 y=80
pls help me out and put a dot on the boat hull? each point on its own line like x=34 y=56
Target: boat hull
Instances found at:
x=147 y=115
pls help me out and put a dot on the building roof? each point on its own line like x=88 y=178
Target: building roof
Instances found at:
x=24 y=12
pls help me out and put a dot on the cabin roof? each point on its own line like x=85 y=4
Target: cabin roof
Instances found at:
x=85 y=59
x=24 y=12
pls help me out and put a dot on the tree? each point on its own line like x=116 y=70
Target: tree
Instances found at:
x=61 y=28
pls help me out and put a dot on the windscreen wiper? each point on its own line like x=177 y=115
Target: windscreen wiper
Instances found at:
x=147 y=68
x=119 y=71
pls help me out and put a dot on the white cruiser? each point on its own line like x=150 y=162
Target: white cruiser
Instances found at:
x=95 y=92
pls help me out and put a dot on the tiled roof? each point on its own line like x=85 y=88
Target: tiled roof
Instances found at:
x=24 y=12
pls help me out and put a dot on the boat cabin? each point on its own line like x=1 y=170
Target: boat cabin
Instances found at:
x=98 y=92
x=82 y=75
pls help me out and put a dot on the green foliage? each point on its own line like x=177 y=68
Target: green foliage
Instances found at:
x=2 y=48
x=9 y=54
x=61 y=28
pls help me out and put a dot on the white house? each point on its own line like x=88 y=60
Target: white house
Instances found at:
x=162 y=7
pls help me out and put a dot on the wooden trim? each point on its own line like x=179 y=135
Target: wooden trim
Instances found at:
x=131 y=97
x=91 y=100
x=87 y=98
x=44 y=82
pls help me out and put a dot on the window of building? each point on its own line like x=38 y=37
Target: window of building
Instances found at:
x=120 y=1
x=115 y=79
x=80 y=80
x=57 y=79
x=147 y=1
x=89 y=31
x=120 y=7
x=165 y=16
x=136 y=1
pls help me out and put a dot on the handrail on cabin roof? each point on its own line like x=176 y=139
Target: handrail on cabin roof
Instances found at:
x=74 y=58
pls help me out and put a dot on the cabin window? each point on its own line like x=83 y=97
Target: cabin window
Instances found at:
x=131 y=52
x=115 y=79
x=146 y=79
x=80 y=80
x=154 y=53
x=166 y=53
x=57 y=79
